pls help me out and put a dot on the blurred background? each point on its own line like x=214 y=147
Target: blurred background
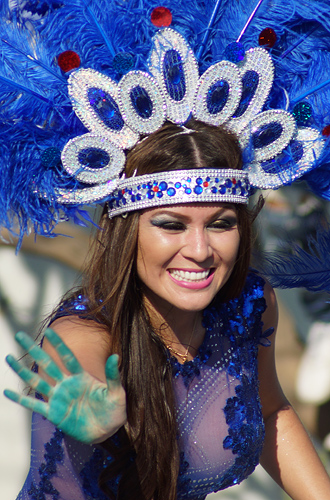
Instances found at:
x=33 y=281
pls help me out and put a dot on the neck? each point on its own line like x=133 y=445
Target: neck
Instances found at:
x=181 y=331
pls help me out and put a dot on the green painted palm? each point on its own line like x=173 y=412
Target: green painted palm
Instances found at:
x=78 y=404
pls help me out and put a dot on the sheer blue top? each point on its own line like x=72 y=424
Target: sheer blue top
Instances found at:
x=220 y=426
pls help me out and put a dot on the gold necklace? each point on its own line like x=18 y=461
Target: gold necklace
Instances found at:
x=185 y=355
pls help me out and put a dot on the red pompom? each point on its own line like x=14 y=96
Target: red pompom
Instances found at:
x=68 y=60
x=161 y=16
x=267 y=37
x=326 y=131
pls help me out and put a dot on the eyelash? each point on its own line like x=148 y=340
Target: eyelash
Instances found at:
x=221 y=224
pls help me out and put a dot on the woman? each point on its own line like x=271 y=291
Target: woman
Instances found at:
x=169 y=297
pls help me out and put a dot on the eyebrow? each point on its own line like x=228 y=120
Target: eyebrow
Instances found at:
x=187 y=218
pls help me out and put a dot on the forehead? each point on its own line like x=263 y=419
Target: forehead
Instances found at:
x=190 y=210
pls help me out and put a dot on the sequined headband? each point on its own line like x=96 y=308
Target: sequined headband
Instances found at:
x=179 y=186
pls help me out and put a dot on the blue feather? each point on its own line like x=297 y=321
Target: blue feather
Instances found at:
x=36 y=111
x=308 y=269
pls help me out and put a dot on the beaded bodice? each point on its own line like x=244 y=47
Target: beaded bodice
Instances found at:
x=220 y=427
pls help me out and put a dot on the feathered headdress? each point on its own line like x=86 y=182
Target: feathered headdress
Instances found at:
x=83 y=80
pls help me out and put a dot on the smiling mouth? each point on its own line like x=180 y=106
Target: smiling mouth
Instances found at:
x=190 y=276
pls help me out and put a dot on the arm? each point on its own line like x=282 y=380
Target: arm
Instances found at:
x=288 y=454
x=82 y=388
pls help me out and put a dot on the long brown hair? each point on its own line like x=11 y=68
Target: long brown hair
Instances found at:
x=146 y=455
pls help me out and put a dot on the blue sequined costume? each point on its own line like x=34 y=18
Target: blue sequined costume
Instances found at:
x=220 y=427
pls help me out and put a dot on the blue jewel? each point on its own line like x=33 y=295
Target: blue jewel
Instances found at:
x=144 y=186
x=208 y=179
x=141 y=102
x=133 y=198
x=159 y=194
x=222 y=190
x=198 y=190
x=163 y=186
x=217 y=179
x=106 y=107
x=188 y=179
x=188 y=191
x=214 y=190
x=250 y=83
x=217 y=97
x=93 y=158
x=228 y=183
x=199 y=180
x=174 y=75
x=177 y=185
x=138 y=197
x=171 y=192
x=150 y=195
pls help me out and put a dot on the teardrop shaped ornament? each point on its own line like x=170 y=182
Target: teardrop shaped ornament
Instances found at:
x=257 y=75
x=218 y=93
x=94 y=98
x=141 y=102
x=174 y=66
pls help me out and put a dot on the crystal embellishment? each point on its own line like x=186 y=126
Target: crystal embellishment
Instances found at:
x=82 y=84
x=228 y=94
x=170 y=47
x=179 y=186
x=225 y=72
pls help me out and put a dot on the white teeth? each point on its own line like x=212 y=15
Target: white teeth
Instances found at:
x=188 y=275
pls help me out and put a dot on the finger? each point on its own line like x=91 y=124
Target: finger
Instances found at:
x=28 y=402
x=34 y=380
x=112 y=372
x=69 y=360
x=43 y=360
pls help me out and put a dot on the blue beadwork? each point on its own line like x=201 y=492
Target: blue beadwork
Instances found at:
x=90 y=473
x=240 y=322
x=47 y=470
x=228 y=354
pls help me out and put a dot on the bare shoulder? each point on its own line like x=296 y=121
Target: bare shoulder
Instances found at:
x=88 y=340
x=270 y=316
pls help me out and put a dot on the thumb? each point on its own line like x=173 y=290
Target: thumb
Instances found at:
x=112 y=372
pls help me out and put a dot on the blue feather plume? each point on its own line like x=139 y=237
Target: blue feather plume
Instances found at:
x=308 y=269
x=36 y=112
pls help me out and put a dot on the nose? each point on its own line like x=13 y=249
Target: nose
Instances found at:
x=197 y=245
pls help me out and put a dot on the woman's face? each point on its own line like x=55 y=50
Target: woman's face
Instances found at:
x=186 y=253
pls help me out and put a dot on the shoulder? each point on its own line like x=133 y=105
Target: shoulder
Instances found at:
x=87 y=339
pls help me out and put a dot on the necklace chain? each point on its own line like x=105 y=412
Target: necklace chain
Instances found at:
x=184 y=356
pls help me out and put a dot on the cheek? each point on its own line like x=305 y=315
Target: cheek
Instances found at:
x=230 y=249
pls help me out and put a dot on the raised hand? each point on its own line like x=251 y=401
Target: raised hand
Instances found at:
x=78 y=404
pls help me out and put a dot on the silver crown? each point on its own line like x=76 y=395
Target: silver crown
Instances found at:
x=117 y=114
